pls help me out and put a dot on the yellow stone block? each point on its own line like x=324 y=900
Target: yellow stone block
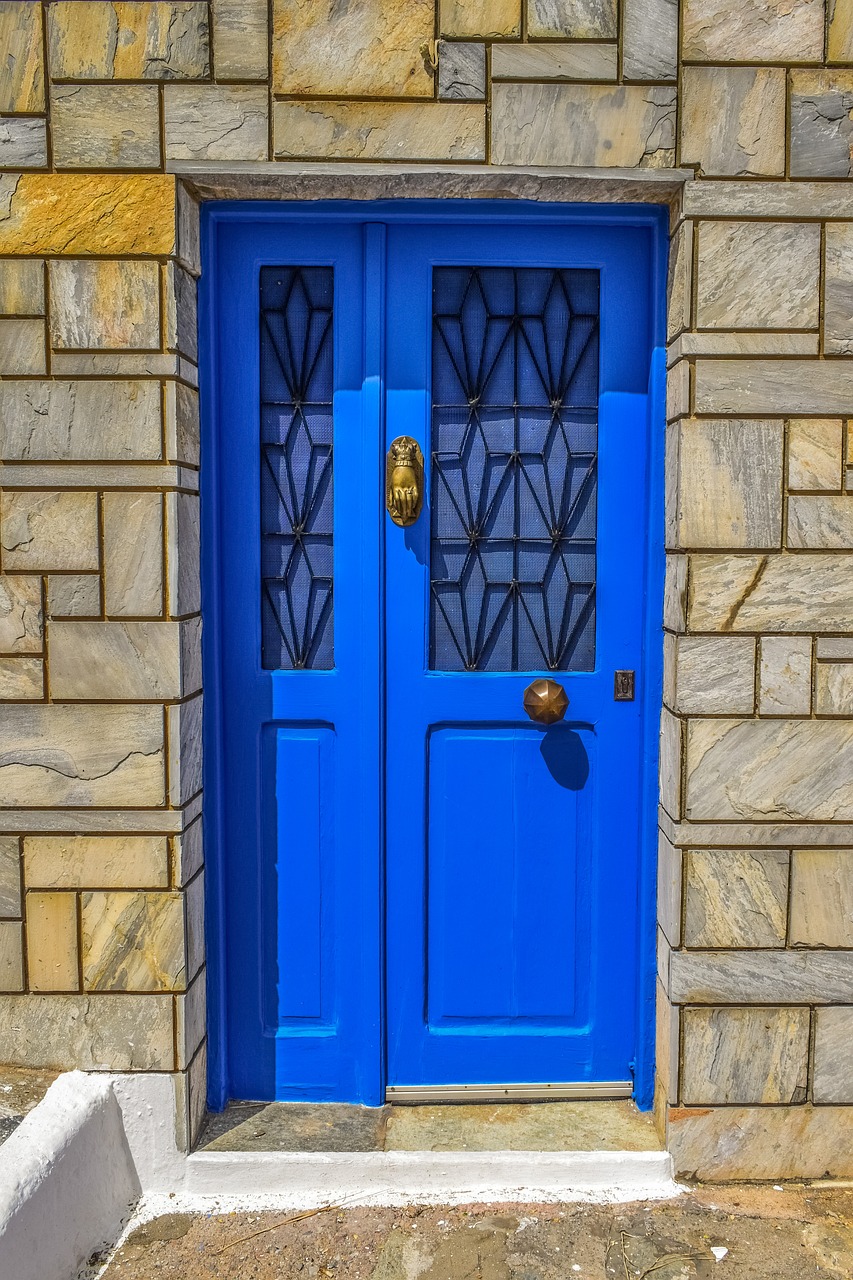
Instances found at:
x=840 y=33
x=21 y=71
x=96 y=862
x=88 y=213
x=379 y=130
x=52 y=941
x=133 y=942
x=480 y=17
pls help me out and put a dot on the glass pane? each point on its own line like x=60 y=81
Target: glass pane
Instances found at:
x=296 y=468
x=514 y=485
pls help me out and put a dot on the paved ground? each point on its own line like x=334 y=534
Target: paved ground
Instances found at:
x=795 y=1233
x=20 y=1091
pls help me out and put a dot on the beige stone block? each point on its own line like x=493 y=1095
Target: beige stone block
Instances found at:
x=182 y=423
x=133 y=554
x=188 y=853
x=22 y=348
x=834 y=689
x=49 y=531
x=84 y=213
x=51 y=920
x=96 y=862
x=767 y=199
x=761 y=275
x=73 y=595
x=21 y=679
x=733 y=120
x=10 y=877
x=21 y=621
x=132 y=941
x=22 y=83
x=771 y=593
x=480 y=17
x=833 y=1062
x=557 y=60
x=650 y=39
x=838 y=648
x=787 y=387
x=216 y=122
x=583 y=125
x=181 y=312
x=838 y=318
x=241 y=39
x=670 y=763
x=189 y=227
x=820 y=522
x=63 y=420
x=91 y=1033
x=77 y=755
x=822 y=898
x=730 y=483
x=183 y=536
x=785 y=676
x=666 y=1044
x=669 y=890
x=762 y=1143
x=128 y=40
x=717 y=342
x=191 y=1012
x=753 y=31
x=369 y=49
x=815 y=449
x=109 y=303
x=195 y=925
x=759 y=770
x=761 y=977
x=744 y=1056
x=11 y=939
x=21 y=287
x=715 y=675
x=23 y=142
x=679 y=281
x=119 y=661
x=839 y=47
x=578 y=19
x=105 y=126
x=736 y=897
x=678 y=391
x=185 y=750
x=379 y=130
x=821 y=124
x=675 y=593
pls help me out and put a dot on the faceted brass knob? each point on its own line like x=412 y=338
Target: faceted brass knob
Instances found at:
x=545 y=701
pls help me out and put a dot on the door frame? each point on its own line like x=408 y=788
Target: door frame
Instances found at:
x=214 y=215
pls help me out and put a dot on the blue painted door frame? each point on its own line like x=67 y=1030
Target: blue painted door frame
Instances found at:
x=304 y=999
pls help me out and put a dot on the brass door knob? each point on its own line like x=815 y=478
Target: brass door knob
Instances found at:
x=545 y=701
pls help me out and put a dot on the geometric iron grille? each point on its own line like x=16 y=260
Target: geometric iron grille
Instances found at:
x=296 y=468
x=513 y=473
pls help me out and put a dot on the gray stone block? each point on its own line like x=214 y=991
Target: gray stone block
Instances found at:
x=650 y=39
x=578 y=19
x=821 y=124
x=89 y=1032
x=23 y=142
x=240 y=39
x=47 y=420
x=461 y=70
x=105 y=126
x=22 y=348
x=763 y=275
x=733 y=120
x=216 y=122
x=585 y=60
x=730 y=483
x=761 y=977
x=833 y=1061
x=771 y=593
x=21 y=287
x=746 y=1056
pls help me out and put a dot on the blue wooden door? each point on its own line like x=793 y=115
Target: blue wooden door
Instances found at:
x=420 y=885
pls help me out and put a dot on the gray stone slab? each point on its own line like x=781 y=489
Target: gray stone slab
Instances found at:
x=23 y=142
x=650 y=39
x=746 y=1056
x=822 y=124
x=786 y=387
x=768 y=199
x=761 y=977
x=295 y=1126
x=585 y=60
x=461 y=70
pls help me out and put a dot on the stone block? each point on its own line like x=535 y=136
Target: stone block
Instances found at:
x=188 y=230
x=669 y=890
x=822 y=898
x=577 y=19
x=119 y=661
x=105 y=126
x=23 y=142
x=675 y=593
x=74 y=595
x=76 y=755
x=22 y=83
x=831 y=648
x=21 y=679
x=188 y=856
x=720 y=342
x=11 y=952
x=191 y=1011
x=480 y=17
x=771 y=593
x=758 y=275
x=556 y=60
x=182 y=423
x=834 y=689
x=753 y=31
x=789 y=387
x=833 y=1062
x=21 y=620
x=760 y=770
x=52 y=962
x=821 y=124
x=766 y=1144
x=88 y=39
x=84 y=213
x=96 y=862
x=785 y=676
x=132 y=941
x=583 y=125
x=49 y=531
x=10 y=877
x=838 y=287
x=181 y=312
x=241 y=39
x=379 y=130
x=820 y=521
x=185 y=750
x=372 y=49
x=22 y=348
x=182 y=515
x=108 y=303
x=715 y=675
x=216 y=122
x=730 y=483
x=91 y=1033
x=667 y=1018
x=745 y=1056
x=679 y=280
x=21 y=287
x=815 y=449
x=767 y=199
x=133 y=554
x=736 y=897
x=733 y=120
x=63 y=420
x=839 y=46
x=677 y=391
x=761 y=977
x=461 y=70
x=650 y=39
x=670 y=763
x=195 y=925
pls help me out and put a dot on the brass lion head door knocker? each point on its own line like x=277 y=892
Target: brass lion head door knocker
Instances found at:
x=404 y=481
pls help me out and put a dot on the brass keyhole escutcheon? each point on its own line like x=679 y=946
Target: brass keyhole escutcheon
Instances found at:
x=545 y=701
x=404 y=481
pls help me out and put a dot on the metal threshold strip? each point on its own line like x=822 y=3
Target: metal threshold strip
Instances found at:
x=404 y=1093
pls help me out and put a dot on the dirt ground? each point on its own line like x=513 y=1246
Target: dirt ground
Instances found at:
x=724 y=1233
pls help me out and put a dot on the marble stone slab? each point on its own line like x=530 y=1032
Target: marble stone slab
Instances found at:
x=715 y=675
x=105 y=862
x=20 y=614
x=762 y=275
x=730 y=483
x=807 y=388
x=105 y=126
x=48 y=531
x=821 y=898
x=761 y=977
x=461 y=70
x=806 y=593
x=821 y=124
x=815 y=449
x=23 y=142
x=768 y=199
x=21 y=287
x=162 y=40
x=479 y=17
x=838 y=320
x=736 y=897
x=578 y=19
x=785 y=676
x=746 y=1056
x=132 y=941
x=216 y=122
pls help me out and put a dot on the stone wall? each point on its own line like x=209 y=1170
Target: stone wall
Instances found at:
x=739 y=113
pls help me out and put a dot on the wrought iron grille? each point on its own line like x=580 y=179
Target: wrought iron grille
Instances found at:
x=296 y=468
x=513 y=472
